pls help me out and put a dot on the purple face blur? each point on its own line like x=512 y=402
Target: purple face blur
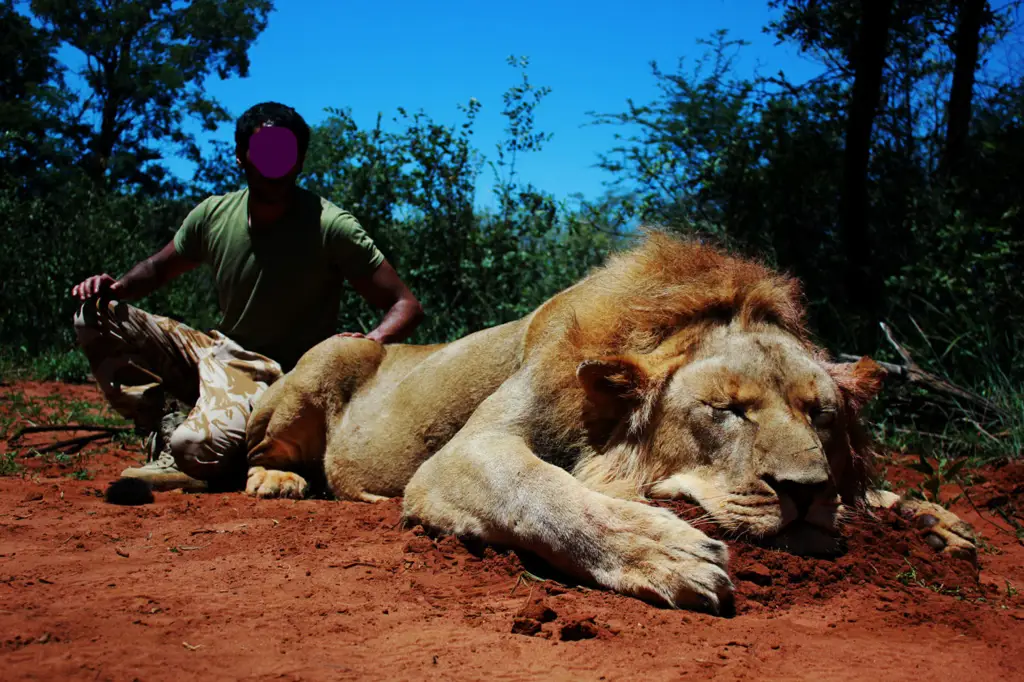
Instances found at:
x=272 y=163
x=273 y=151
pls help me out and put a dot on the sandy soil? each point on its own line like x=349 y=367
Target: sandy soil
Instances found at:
x=220 y=586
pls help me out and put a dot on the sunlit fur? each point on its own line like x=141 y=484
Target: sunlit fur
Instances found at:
x=614 y=380
x=676 y=327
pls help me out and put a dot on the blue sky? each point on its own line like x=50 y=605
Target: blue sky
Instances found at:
x=377 y=56
x=374 y=57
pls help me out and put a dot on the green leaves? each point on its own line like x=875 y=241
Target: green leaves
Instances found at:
x=412 y=184
x=943 y=472
x=146 y=67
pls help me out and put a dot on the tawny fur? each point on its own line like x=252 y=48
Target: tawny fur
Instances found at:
x=539 y=433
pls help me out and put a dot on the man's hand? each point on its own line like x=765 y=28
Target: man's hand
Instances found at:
x=385 y=290
x=354 y=335
x=141 y=280
x=96 y=285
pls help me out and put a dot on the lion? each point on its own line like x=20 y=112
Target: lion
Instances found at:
x=673 y=371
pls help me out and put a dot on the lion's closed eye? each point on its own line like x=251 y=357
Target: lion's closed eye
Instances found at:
x=724 y=411
x=822 y=417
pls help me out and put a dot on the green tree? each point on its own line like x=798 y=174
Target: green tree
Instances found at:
x=413 y=187
x=33 y=104
x=867 y=61
x=146 y=63
x=972 y=17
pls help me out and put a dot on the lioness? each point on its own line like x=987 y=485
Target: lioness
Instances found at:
x=673 y=371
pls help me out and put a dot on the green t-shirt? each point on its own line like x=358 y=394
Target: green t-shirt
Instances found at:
x=279 y=286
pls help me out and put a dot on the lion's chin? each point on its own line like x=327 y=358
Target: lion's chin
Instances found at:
x=806 y=539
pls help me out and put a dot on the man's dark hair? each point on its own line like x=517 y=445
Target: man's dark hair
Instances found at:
x=273 y=113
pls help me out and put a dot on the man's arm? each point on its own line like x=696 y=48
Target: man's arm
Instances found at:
x=386 y=290
x=143 y=279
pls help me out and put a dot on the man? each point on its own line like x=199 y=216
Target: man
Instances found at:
x=280 y=256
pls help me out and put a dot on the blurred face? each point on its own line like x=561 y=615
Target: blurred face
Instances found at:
x=271 y=164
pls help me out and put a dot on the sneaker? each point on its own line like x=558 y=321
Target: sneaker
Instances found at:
x=160 y=470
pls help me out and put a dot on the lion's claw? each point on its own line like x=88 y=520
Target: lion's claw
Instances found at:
x=941 y=529
x=654 y=555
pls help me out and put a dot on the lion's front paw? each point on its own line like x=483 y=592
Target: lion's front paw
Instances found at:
x=652 y=554
x=941 y=528
x=273 y=483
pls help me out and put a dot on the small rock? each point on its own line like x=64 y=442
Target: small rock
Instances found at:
x=539 y=612
x=419 y=545
x=759 y=574
x=579 y=629
x=33 y=497
x=525 y=626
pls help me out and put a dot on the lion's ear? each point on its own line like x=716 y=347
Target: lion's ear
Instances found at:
x=613 y=383
x=858 y=382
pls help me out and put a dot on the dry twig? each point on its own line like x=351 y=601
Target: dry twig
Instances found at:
x=45 y=428
x=912 y=373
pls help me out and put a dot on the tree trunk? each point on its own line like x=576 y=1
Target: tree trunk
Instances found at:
x=970 y=16
x=863 y=288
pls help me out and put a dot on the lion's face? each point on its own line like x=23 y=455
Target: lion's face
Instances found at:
x=749 y=426
x=753 y=429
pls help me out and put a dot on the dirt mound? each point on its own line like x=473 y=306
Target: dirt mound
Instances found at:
x=1001 y=487
x=881 y=550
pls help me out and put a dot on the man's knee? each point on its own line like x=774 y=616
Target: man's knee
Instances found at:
x=207 y=456
x=85 y=322
x=88 y=319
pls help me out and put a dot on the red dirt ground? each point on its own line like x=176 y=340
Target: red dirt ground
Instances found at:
x=221 y=586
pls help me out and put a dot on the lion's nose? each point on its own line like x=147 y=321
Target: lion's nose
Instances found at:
x=800 y=493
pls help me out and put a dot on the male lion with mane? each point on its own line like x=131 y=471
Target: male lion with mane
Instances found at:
x=673 y=371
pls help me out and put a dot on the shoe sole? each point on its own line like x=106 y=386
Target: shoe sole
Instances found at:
x=166 y=481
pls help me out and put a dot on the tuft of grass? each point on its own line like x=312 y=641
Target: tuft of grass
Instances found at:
x=910 y=578
x=82 y=474
x=19 y=411
x=911 y=420
x=936 y=475
x=9 y=465
x=64 y=365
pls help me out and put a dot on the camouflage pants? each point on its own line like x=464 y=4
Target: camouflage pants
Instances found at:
x=138 y=358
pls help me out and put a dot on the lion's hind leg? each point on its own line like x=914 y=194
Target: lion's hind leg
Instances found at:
x=284 y=436
x=269 y=475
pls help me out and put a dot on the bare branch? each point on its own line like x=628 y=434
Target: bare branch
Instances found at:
x=912 y=373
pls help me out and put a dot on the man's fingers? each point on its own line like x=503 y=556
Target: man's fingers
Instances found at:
x=93 y=286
